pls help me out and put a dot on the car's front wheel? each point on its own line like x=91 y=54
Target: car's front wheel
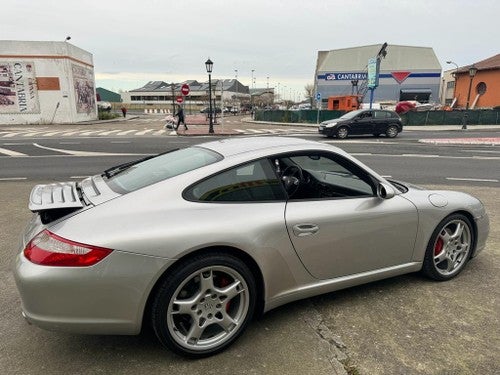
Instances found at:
x=391 y=131
x=342 y=132
x=449 y=248
x=204 y=304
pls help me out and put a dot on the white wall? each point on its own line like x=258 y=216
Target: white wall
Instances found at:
x=51 y=59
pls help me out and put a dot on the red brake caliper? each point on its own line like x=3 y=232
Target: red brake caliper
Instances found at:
x=439 y=246
x=224 y=281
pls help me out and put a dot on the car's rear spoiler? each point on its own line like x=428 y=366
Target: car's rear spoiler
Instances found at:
x=55 y=196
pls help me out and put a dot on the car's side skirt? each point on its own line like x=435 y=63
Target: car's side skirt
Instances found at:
x=326 y=286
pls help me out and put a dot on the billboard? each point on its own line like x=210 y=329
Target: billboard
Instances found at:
x=18 y=90
x=83 y=82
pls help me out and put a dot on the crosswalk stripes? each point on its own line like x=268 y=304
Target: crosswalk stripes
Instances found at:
x=143 y=132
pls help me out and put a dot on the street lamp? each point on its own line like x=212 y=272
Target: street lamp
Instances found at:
x=455 y=76
x=209 y=65
x=472 y=73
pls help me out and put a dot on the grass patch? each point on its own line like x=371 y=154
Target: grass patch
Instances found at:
x=105 y=115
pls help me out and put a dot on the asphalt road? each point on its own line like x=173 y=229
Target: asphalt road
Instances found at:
x=403 y=158
x=403 y=325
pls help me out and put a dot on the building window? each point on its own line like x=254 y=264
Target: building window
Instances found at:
x=481 y=88
x=450 y=84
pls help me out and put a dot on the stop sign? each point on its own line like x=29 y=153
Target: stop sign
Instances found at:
x=179 y=99
x=185 y=89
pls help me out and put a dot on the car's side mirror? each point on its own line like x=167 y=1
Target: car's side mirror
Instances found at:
x=385 y=191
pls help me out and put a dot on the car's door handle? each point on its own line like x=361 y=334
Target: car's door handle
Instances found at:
x=301 y=230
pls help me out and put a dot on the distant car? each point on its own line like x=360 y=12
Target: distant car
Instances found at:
x=196 y=241
x=207 y=110
x=104 y=106
x=363 y=121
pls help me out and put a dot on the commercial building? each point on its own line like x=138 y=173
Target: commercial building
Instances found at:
x=45 y=82
x=406 y=73
x=229 y=92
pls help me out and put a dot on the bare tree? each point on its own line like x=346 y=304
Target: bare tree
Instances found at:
x=309 y=93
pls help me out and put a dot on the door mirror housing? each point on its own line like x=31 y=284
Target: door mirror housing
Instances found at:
x=385 y=191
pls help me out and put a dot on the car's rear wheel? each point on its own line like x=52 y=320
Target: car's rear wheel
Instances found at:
x=391 y=131
x=449 y=248
x=204 y=304
x=342 y=132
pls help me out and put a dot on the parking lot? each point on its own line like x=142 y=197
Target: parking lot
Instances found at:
x=404 y=325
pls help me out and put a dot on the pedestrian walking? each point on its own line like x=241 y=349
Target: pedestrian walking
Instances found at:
x=124 y=111
x=180 y=118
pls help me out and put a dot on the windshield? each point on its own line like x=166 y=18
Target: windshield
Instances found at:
x=160 y=168
x=351 y=115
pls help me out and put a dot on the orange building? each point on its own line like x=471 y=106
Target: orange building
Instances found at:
x=484 y=85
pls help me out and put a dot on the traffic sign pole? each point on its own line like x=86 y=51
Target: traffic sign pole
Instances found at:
x=318 y=106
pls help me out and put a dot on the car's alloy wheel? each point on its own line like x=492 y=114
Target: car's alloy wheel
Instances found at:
x=204 y=305
x=450 y=248
x=342 y=132
x=391 y=131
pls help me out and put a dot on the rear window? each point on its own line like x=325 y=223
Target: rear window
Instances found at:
x=161 y=167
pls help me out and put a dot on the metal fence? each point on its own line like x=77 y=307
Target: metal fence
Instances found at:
x=474 y=117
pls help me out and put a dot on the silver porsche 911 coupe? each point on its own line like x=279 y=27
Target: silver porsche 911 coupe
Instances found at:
x=197 y=241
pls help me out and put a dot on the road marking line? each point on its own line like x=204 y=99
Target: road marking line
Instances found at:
x=10 y=152
x=89 y=132
x=53 y=133
x=471 y=179
x=126 y=132
x=70 y=143
x=421 y=155
x=71 y=133
x=120 y=142
x=144 y=132
x=159 y=132
x=10 y=135
x=79 y=177
x=109 y=132
x=13 y=178
x=81 y=153
x=32 y=134
x=16 y=144
x=483 y=151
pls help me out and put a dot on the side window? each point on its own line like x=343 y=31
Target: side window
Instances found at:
x=327 y=176
x=251 y=182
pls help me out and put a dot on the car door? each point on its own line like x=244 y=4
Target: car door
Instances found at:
x=339 y=227
x=363 y=123
x=380 y=121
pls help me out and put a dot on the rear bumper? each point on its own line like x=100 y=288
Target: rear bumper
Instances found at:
x=107 y=298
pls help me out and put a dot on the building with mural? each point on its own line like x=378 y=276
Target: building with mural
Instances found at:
x=406 y=73
x=45 y=83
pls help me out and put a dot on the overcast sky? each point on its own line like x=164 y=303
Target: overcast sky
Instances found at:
x=134 y=42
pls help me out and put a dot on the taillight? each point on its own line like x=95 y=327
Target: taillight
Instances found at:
x=48 y=249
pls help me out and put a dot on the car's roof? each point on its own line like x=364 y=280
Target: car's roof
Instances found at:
x=234 y=146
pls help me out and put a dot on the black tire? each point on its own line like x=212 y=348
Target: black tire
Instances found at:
x=342 y=132
x=391 y=131
x=449 y=248
x=204 y=304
